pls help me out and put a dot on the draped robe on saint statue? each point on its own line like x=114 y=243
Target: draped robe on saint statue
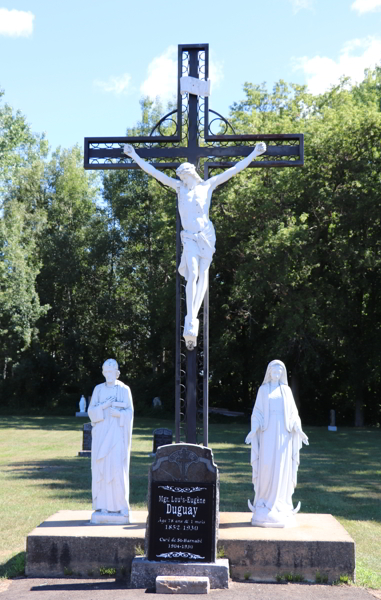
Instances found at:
x=275 y=452
x=110 y=451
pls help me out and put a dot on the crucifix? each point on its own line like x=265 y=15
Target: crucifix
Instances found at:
x=183 y=141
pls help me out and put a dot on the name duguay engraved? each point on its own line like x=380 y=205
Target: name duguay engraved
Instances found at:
x=181 y=505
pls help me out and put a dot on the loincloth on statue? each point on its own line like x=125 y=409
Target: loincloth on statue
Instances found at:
x=201 y=244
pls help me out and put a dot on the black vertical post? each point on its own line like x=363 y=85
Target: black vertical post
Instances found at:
x=191 y=355
x=205 y=377
x=193 y=111
x=191 y=430
x=178 y=329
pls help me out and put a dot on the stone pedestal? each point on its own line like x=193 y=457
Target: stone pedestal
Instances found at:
x=318 y=544
x=144 y=572
x=67 y=541
x=332 y=421
x=107 y=518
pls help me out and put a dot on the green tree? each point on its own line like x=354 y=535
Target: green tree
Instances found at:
x=20 y=306
x=65 y=281
x=144 y=214
x=18 y=145
x=298 y=276
x=21 y=221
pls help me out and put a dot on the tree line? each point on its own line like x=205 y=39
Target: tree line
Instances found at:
x=87 y=265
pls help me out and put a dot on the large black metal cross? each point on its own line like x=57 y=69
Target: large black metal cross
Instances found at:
x=192 y=140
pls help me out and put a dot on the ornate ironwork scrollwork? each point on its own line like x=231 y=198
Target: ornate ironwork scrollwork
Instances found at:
x=220 y=118
x=162 y=121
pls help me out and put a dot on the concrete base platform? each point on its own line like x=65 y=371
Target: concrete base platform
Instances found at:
x=144 y=572
x=67 y=543
x=318 y=544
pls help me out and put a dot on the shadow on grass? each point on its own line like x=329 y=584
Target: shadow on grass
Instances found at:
x=340 y=473
x=14 y=567
x=44 y=423
x=71 y=478
x=144 y=431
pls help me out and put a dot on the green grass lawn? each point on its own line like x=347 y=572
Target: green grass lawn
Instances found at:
x=40 y=473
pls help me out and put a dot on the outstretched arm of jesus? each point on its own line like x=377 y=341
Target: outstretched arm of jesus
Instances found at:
x=143 y=164
x=242 y=164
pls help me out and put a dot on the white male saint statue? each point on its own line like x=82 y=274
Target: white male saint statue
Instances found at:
x=198 y=236
x=111 y=412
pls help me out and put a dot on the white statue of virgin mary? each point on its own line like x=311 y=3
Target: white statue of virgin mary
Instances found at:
x=276 y=438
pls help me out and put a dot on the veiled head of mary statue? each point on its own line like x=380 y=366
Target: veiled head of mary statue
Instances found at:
x=187 y=171
x=276 y=372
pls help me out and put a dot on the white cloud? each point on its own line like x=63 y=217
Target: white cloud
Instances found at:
x=116 y=85
x=364 y=6
x=357 y=55
x=162 y=75
x=298 y=5
x=216 y=72
x=16 y=23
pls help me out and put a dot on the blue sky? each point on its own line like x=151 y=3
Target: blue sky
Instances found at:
x=78 y=68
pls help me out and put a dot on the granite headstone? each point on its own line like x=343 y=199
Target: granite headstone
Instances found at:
x=161 y=437
x=86 y=441
x=183 y=505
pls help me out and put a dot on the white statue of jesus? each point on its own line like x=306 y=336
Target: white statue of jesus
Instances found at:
x=198 y=236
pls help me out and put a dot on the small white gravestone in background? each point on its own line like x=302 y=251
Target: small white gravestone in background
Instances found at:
x=82 y=407
x=332 y=421
x=276 y=438
x=111 y=412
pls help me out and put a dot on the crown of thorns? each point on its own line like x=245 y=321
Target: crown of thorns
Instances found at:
x=188 y=167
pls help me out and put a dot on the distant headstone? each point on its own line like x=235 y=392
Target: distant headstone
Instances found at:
x=332 y=421
x=161 y=437
x=156 y=402
x=86 y=442
x=82 y=408
x=183 y=501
